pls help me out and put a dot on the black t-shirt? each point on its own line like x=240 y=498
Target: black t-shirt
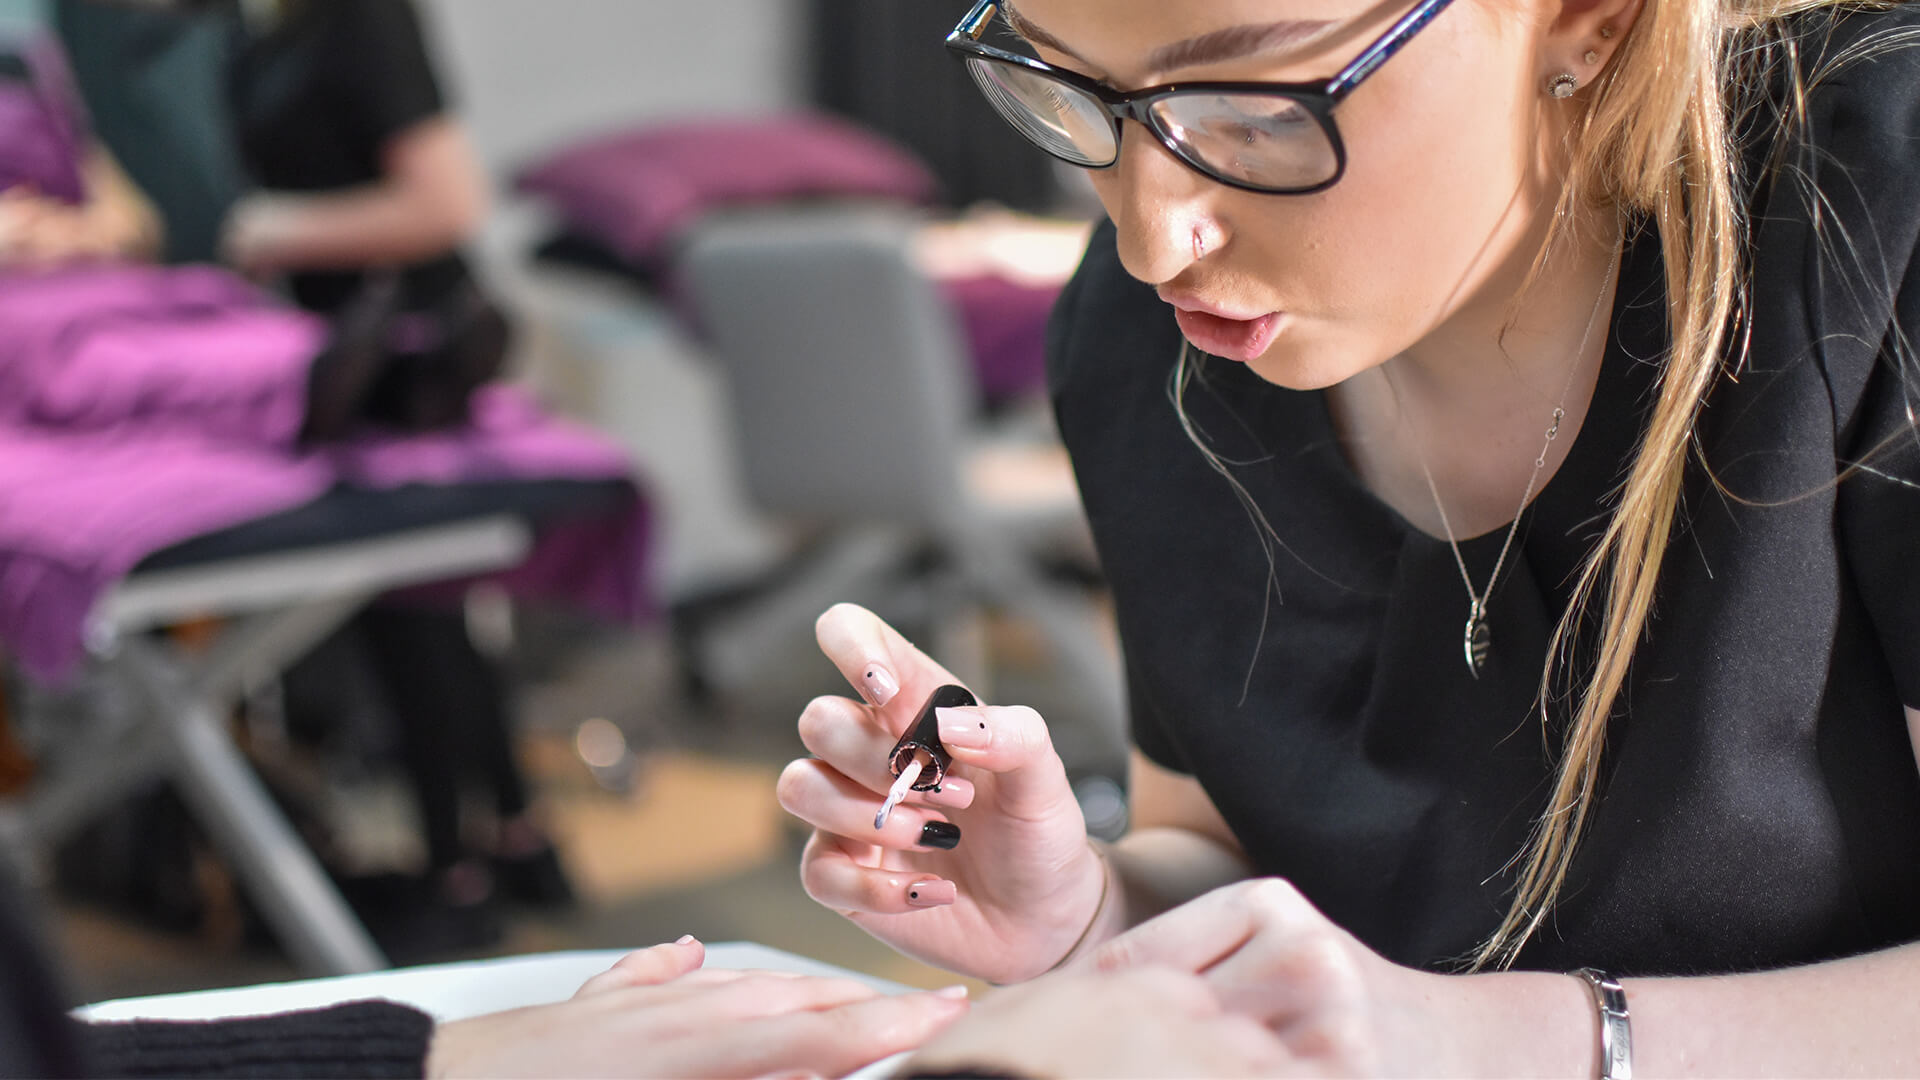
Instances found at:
x=1761 y=803
x=318 y=99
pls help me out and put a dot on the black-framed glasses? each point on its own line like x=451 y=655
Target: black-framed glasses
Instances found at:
x=1269 y=137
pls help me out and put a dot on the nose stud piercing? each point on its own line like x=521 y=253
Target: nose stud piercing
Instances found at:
x=1563 y=85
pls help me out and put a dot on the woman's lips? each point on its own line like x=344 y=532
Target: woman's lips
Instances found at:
x=1244 y=340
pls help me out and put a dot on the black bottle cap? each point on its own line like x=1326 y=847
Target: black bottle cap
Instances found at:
x=924 y=737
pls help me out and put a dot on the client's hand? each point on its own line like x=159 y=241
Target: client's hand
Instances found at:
x=1341 y=1008
x=1143 y=1022
x=656 y=1014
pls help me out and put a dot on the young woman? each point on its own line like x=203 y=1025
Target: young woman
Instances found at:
x=1494 y=418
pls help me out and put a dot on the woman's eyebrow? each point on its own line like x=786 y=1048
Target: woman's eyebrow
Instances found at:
x=1232 y=43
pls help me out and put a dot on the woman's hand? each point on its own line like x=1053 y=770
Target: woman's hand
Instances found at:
x=1148 y=1022
x=656 y=1014
x=1341 y=1008
x=1024 y=883
x=40 y=233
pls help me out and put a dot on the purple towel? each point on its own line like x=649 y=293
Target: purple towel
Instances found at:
x=94 y=348
x=43 y=129
x=143 y=407
x=1006 y=327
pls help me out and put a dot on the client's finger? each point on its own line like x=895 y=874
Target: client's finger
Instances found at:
x=648 y=967
x=764 y=993
x=838 y=1041
x=831 y=875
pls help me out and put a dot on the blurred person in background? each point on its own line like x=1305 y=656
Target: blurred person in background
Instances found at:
x=369 y=186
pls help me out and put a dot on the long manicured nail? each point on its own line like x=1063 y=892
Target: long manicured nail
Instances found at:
x=963 y=728
x=931 y=894
x=879 y=685
x=944 y=835
x=952 y=794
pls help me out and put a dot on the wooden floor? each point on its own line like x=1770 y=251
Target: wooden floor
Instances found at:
x=697 y=844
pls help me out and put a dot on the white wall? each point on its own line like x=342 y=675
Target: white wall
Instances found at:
x=531 y=73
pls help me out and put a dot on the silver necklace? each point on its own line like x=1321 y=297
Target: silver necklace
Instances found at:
x=1477 y=641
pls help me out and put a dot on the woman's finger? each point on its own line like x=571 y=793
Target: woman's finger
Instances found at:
x=847 y=735
x=831 y=875
x=819 y=795
x=648 y=967
x=1012 y=742
x=889 y=671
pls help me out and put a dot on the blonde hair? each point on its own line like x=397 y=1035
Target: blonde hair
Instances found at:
x=1656 y=142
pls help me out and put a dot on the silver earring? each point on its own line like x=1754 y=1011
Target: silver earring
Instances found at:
x=1606 y=33
x=1563 y=85
x=1592 y=57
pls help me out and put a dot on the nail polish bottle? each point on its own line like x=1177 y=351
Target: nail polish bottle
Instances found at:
x=922 y=740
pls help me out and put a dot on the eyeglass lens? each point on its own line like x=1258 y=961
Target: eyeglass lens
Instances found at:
x=1259 y=140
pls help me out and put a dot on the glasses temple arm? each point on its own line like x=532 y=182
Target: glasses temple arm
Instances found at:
x=1388 y=43
x=975 y=24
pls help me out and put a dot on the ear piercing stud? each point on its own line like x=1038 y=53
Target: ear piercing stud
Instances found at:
x=1606 y=33
x=1563 y=85
x=1592 y=57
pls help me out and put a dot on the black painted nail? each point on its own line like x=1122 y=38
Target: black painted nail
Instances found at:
x=944 y=835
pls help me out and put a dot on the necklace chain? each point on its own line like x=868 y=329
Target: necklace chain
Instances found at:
x=1478 y=640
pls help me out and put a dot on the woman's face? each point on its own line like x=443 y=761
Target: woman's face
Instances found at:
x=1442 y=209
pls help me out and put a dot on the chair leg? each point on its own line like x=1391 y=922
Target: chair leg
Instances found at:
x=1004 y=576
x=295 y=895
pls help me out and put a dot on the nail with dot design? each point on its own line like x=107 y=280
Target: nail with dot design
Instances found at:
x=964 y=729
x=879 y=685
x=931 y=894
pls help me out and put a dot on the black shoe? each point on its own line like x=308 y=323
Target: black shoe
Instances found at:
x=536 y=880
x=413 y=924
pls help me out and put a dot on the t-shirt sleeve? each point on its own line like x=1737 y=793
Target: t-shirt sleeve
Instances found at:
x=383 y=68
x=1067 y=371
x=1879 y=499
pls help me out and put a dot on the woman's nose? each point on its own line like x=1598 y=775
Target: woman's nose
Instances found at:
x=1162 y=209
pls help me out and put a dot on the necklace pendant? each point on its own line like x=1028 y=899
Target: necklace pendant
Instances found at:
x=1478 y=639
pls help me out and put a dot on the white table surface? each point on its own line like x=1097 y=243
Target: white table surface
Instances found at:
x=455 y=991
x=447 y=991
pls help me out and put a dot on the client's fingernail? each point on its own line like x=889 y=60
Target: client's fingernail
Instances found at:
x=879 y=685
x=936 y=893
x=956 y=992
x=944 y=835
x=685 y=939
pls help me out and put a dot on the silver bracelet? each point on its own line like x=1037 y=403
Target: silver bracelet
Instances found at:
x=1616 y=1034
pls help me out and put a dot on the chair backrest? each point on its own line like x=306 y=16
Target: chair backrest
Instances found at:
x=845 y=367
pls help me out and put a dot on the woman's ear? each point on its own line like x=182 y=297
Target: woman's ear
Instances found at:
x=1583 y=37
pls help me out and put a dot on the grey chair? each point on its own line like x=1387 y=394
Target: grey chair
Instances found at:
x=851 y=394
